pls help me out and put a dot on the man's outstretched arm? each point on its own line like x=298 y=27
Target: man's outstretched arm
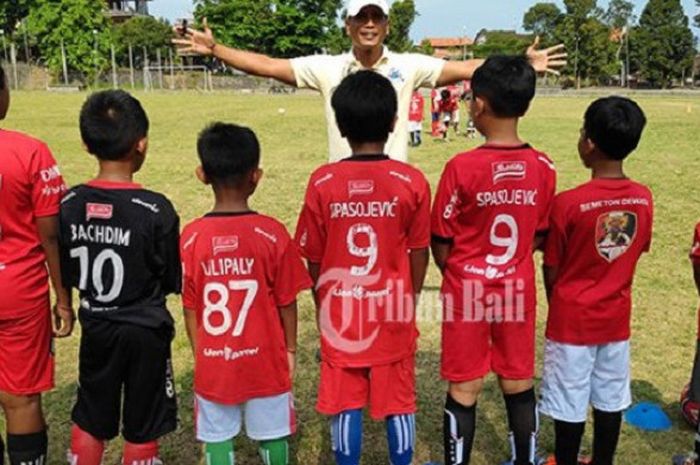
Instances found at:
x=203 y=43
x=549 y=60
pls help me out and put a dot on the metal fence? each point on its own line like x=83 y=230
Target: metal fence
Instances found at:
x=149 y=70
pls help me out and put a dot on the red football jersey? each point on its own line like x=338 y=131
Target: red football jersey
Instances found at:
x=360 y=218
x=490 y=205
x=598 y=232
x=238 y=269
x=31 y=187
x=695 y=251
x=450 y=104
x=417 y=107
x=695 y=259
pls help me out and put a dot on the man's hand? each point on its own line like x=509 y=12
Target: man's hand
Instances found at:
x=193 y=41
x=547 y=60
x=63 y=321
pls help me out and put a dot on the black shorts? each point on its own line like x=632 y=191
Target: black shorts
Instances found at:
x=695 y=379
x=116 y=359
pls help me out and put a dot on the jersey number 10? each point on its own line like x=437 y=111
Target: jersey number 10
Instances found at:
x=107 y=255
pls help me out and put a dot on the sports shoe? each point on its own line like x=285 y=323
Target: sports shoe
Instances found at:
x=685 y=459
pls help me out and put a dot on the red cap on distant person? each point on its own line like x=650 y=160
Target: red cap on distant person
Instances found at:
x=355 y=6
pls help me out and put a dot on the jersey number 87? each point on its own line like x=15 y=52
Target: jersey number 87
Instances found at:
x=220 y=306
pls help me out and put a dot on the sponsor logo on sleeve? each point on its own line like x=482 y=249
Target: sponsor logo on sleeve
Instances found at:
x=508 y=171
x=615 y=233
x=224 y=244
x=100 y=211
x=50 y=174
x=360 y=187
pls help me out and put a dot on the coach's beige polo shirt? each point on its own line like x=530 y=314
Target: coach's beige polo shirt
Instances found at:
x=406 y=71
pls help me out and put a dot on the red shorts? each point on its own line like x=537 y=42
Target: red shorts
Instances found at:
x=26 y=355
x=470 y=350
x=387 y=389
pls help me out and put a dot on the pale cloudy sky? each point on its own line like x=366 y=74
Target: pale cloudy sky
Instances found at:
x=439 y=18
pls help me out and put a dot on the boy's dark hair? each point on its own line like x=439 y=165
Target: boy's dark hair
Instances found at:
x=615 y=125
x=228 y=153
x=2 y=78
x=365 y=105
x=111 y=123
x=507 y=83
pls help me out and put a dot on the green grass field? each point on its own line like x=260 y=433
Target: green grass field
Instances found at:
x=293 y=145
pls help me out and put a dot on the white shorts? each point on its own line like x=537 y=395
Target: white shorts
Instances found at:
x=576 y=376
x=414 y=126
x=455 y=116
x=266 y=418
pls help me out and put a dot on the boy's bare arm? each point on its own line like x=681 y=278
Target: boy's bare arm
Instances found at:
x=63 y=311
x=191 y=327
x=315 y=273
x=441 y=251
x=550 y=277
x=419 y=259
x=696 y=274
x=288 y=315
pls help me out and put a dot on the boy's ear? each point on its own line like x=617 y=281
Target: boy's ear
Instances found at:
x=142 y=146
x=588 y=146
x=201 y=175
x=479 y=106
x=256 y=176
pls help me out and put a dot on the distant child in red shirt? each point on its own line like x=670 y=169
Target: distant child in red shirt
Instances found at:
x=598 y=232
x=242 y=273
x=490 y=213
x=415 y=118
x=449 y=107
x=365 y=231
x=435 y=113
x=694 y=389
x=31 y=188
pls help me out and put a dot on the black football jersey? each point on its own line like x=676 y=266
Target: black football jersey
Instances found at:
x=119 y=248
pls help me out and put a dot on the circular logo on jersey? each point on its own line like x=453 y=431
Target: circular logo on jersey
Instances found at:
x=615 y=233
x=348 y=315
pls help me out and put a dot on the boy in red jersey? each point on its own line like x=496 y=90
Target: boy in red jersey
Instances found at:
x=415 y=118
x=31 y=188
x=242 y=274
x=694 y=389
x=490 y=212
x=598 y=232
x=365 y=232
x=435 y=123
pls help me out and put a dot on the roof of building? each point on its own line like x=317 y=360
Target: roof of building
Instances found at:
x=447 y=42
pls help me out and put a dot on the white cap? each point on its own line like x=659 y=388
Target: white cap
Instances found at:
x=355 y=6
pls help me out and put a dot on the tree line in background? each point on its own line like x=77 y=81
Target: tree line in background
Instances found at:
x=658 y=47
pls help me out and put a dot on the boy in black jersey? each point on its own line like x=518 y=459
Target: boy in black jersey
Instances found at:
x=119 y=246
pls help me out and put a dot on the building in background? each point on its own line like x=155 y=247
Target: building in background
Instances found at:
x=123 y=10
x=449 y=48
x=485 y=36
